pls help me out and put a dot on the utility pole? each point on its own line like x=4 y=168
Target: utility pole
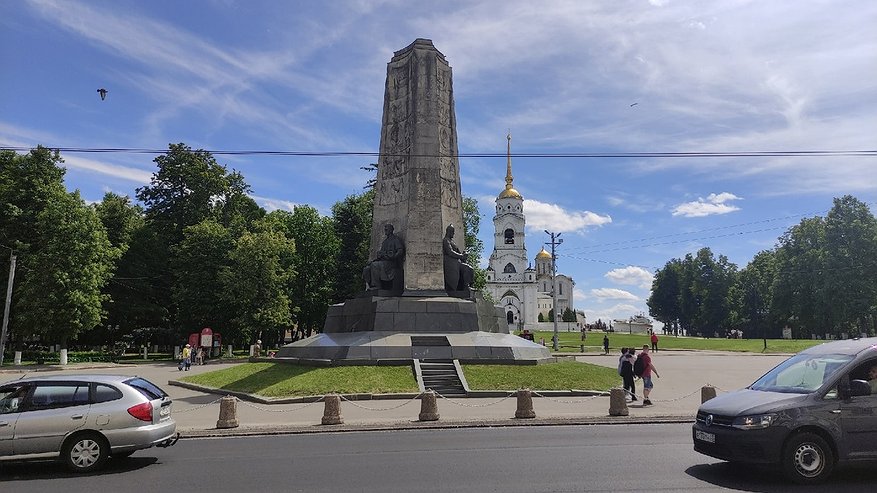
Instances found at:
x=8 y=303
x=555 y=242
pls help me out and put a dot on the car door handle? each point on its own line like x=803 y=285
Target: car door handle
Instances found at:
x=835 y=411
x=75 y=416
x=4 y=423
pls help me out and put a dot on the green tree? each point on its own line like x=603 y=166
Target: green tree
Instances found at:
x=313 y=263
x=568 y=315
x=710 y=285
x=60 y=293
x=474 y=245
x=255 y=287
x=352 y=220
x=188 y=187
x=665 y=298
x=197 y=265
x=122 y=221
x=799 y=297
x=751 y=295
x=851 y=265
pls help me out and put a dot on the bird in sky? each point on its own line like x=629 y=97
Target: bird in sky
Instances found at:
x=103 y=93
x=633 y=104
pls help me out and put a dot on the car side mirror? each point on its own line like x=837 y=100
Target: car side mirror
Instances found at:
x=859 y=387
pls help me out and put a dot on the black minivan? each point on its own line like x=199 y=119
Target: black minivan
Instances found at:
x=813 y=411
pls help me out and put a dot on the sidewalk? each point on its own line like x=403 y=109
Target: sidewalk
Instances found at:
x=676 y=397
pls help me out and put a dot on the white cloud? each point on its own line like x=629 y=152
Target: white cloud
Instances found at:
x=620 y=311
x=711 y=205
x=613 y=294
x=103 y=168
x=553 y=217
x=274 y=204
x=631 y=275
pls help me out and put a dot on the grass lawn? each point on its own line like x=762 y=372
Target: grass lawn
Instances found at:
x=557 y=376
x=284 y=380
x=571 y=342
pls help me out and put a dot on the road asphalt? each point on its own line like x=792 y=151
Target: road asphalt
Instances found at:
x=676 y=396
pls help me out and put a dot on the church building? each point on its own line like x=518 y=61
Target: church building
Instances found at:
x=524 y=291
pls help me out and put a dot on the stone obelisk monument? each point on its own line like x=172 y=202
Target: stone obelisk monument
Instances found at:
x=418 y=183
x=411 y=309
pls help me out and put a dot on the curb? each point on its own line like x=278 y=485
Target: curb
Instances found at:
x=245 y=431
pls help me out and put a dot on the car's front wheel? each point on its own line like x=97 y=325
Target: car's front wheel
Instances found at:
x=807 y=458
x=85 y=452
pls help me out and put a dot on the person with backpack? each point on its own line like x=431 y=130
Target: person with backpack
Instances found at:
x=625 y=369
x=646 y=370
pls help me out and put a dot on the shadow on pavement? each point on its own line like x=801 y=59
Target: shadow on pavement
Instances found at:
x=757 y=478
x=33 y=470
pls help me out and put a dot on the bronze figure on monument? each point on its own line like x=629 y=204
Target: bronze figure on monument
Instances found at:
x=385 y=271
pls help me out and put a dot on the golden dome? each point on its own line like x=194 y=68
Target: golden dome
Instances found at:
x=543 y=255
x=510 y=193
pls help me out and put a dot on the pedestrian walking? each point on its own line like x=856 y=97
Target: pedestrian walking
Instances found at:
x=199 y=356
x=648 y=370
x=625 y=369
x=654 y=341
x=187 y=357
x=606 y=344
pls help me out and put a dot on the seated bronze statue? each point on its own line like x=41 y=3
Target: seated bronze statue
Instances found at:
x=458 y=274
x=385 y=271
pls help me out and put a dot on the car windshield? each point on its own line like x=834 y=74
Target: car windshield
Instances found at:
x=802 y=373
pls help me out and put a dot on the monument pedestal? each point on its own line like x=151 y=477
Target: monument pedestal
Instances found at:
x=379 y=329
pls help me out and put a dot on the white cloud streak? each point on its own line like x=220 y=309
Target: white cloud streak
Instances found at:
x=711 y=205
x=613 y=294
x=541 y=216
x=631 y=275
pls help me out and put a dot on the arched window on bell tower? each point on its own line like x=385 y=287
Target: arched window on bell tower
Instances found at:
x=510 y=236
x=509 y=269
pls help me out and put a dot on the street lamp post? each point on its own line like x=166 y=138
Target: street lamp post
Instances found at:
x=555 y=241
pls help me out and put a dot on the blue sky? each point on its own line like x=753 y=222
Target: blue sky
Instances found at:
x=565 y=77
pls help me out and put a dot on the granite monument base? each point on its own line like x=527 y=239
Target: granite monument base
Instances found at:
x=373 y=328
x=388 y=348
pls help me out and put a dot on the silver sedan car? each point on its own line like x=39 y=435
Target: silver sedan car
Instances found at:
x=83 y=419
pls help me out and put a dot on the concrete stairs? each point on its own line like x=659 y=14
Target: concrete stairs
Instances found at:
x=443 y=376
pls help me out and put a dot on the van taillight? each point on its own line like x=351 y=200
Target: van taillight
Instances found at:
x=142 y=412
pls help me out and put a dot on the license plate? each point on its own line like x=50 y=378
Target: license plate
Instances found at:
x=165 y=412
x=704 y=436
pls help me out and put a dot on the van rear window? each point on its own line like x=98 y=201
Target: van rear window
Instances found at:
x=147 y=388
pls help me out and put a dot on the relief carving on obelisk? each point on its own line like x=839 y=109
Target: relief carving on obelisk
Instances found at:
x=418 y=183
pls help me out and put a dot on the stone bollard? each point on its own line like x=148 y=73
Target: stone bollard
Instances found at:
x=428 y=407
x=707 y=392
x=228 y=413
x=332 y=411
x=618 y=403
x=525 y=404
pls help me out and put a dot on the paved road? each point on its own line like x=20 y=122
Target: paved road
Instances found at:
x=521 y=459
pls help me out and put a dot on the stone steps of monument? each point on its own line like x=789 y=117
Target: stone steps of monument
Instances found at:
x=441 y=376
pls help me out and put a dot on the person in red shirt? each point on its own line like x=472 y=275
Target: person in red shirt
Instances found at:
x=654 y=342
x=649 y=368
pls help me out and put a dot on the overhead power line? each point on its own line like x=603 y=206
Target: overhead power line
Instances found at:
x=548 y=155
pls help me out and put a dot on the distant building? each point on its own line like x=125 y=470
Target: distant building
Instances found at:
x=522 y=290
